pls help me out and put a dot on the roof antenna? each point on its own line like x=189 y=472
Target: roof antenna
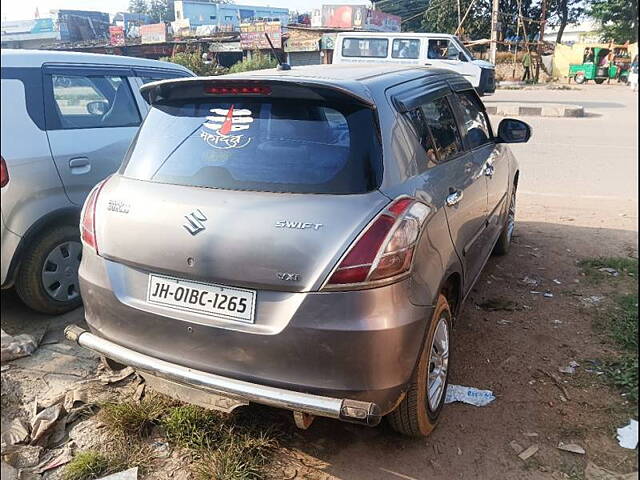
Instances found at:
x=281 y=65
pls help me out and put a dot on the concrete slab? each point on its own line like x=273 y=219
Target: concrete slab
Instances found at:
x=534 y=109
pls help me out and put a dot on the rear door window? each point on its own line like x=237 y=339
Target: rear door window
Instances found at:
x=405 y=48
x=365 y=47
x=443 y=127
x=275 y=145
x=92 y=101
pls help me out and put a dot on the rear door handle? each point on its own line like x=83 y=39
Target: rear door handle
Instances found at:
x=80 y=165
x=454 y=198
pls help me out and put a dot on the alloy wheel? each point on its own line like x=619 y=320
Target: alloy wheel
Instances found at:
x=438 y=364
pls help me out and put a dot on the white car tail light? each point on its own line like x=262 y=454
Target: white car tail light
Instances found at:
x=385 y=249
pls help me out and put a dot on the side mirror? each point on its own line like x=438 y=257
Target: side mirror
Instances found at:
x=97 y=108
x=511 y=130
x=461 y=57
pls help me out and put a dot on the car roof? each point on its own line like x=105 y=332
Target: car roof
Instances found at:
x=36 y=58
x=347 y=74
x=360 y=79
x=396 y=34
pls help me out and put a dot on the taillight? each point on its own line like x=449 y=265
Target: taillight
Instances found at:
x=4 y=172
x=385 y=249
x=88 y=218
x=238 y=90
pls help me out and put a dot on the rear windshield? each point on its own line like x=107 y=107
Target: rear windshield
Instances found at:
x=275 y=145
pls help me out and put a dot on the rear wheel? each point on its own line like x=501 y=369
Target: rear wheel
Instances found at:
x=48 y=277
x=504 y=241
x=580 y=78
x=418 y=413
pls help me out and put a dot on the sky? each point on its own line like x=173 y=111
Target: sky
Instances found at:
x=25 y=9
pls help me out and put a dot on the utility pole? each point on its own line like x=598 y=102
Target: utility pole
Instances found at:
x=459 y=19
x=543 y=19
x=494 y=31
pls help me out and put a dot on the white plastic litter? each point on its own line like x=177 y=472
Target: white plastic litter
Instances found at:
x=628 y=436
x=470 y=395
x=130 y=474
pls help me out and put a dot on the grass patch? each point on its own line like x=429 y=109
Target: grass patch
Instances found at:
x=134 y=419
x=623 y=373
x=626 y=266
x=228 y=447
x=117 y=456
x=620 y=322
x=624 y=322
x=86 y=465
x=224 y=447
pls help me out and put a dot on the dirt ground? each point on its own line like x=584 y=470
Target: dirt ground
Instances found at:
x=577 y=200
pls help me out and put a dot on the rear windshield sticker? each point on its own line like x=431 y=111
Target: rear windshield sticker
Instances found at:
x=221 y=130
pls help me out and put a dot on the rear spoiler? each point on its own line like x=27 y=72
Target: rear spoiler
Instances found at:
x=292 y=88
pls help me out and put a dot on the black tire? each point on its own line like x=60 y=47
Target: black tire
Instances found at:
x=29 y=281
x=414 y=416
x=504 y=241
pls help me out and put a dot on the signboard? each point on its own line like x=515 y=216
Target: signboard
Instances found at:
x=328 y=41
x=181 y=27
x=225 y=47
x=38 y=25
x=252 y=35
x=116 y=36
x=344 y=16
x=378 y=21
x=301 y=45
x=154 y=33
x=316 y=18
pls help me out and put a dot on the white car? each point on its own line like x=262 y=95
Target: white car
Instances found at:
x=437 y=50
x=67 y=121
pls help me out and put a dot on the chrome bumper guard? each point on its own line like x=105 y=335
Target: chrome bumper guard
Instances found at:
x=354 y=411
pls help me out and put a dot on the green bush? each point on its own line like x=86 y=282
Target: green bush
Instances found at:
x=193 y=61
x=258 y=61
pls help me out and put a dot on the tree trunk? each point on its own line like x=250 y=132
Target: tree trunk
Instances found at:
x=564 y=14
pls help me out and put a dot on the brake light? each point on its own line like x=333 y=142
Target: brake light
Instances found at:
x=4 y=172
x=385 y=249
x=88 y=218
x=238 y=90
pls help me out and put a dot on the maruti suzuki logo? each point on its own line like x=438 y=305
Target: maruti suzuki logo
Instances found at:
x=194 y=223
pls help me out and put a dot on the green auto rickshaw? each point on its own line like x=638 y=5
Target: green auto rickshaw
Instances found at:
x=600 y=64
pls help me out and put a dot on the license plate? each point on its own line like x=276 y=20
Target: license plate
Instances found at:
x=213 y=300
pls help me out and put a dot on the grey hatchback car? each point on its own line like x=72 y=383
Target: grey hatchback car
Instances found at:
x=301 y=239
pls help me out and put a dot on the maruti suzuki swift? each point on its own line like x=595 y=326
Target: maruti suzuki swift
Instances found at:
x=302 y=239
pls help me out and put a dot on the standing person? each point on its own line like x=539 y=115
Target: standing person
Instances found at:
x=610 y=63
x=526 y=63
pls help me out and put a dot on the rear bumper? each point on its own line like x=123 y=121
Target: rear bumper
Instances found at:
x=360 y=345
x=367 y=413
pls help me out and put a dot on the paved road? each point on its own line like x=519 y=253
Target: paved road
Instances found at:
x=583 y=168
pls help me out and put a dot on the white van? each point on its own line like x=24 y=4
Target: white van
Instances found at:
x=434 y=49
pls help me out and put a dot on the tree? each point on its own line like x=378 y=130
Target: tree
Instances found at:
x=411 y=11
x=158 y=10
x=138 y=6
x=618 y=19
